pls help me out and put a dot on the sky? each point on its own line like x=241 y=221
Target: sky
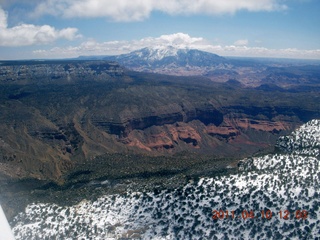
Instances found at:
x=50 y=29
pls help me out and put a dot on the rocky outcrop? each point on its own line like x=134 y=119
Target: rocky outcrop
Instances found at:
x=125 y=121
x=223 y=132
x=262 y=125
x=185 y=133
x=234 y=132
x=167 y=138
x=184 y=126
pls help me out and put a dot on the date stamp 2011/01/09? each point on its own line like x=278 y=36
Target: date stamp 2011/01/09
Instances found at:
x=264 y=214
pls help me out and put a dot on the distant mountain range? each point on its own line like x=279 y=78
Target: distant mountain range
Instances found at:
x=168 y=57
x=192 y=62
x=169 y=60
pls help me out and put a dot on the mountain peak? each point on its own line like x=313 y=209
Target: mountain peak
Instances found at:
x=169 y=58
x=157 y=52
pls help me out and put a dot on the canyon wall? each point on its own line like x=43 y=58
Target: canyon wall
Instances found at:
x=55 y=116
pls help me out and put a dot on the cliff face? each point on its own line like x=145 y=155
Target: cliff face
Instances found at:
x=38 y=146
x=58 y=115
x=223 y=136
x=43 y=72
x=129 y=121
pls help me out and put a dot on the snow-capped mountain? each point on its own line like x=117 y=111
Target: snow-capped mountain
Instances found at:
x=158 y=59
x=273 y=197
x=158 y=53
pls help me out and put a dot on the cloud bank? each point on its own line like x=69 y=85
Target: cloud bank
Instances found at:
x=29 y=34
x=137 y=10
x=178 y=40
x=241 y=42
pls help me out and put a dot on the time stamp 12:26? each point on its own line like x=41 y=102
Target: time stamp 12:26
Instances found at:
x=263 y=214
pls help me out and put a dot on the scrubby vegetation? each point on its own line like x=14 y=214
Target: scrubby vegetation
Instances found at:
x=288 y=182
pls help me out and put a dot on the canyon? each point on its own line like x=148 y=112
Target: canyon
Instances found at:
x=56 y=115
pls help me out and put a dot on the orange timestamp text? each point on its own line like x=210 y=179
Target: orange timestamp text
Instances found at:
x=264 y=214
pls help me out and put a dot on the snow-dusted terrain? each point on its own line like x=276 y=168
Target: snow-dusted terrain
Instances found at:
x=305 y=140
x=158 y=53
x=288 y=182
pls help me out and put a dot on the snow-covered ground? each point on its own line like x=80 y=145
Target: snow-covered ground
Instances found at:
x=288 y=182
x=305 y=140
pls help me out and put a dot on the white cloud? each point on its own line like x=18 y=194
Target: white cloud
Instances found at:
x=244 y=51
x=129 y=10
x=241 y=42
x=120 y=10
x=91 y=47
x=29 y=34
x=216 y=6
x=3 y=19
x=179 y=40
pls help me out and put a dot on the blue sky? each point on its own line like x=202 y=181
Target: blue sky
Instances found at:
x=32 y=29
